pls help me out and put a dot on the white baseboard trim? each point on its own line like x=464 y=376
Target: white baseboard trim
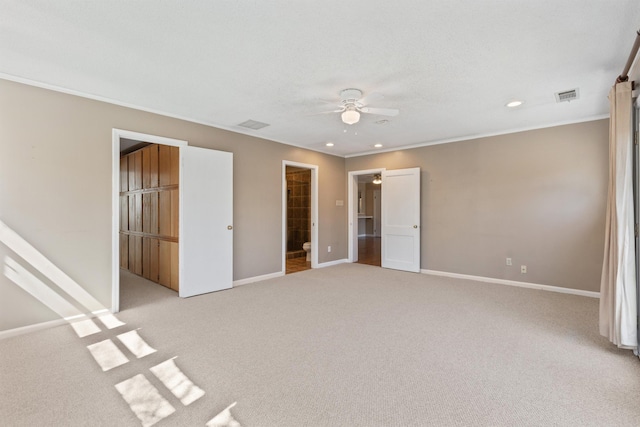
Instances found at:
x=257 y=278
x=50 y=324
x=550 y=288
x=330 y=263
x=31 y=328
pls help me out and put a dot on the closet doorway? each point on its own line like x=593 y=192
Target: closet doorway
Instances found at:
x=149 y=211
x=202 y=222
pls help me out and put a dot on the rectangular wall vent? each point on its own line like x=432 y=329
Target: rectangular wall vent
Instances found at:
x=567 y=95
x=252 y=124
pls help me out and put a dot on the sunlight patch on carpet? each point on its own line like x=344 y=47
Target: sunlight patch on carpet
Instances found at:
x=177 y=382
x=84 y=328
x=224 y=419
x=136 y=344
x=107 y=355
x=144 y=400
x=108 y=319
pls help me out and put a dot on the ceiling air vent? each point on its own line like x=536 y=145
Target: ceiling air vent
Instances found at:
x=567 y=95
x=252 y=124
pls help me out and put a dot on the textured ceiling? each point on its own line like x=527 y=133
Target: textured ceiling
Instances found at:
x=449 y=66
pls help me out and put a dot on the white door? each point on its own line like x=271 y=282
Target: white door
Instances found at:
x=206 y=236
x=401 y=219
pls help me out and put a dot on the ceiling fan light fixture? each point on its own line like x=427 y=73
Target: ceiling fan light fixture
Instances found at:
x=377 y=179
x=350 y=116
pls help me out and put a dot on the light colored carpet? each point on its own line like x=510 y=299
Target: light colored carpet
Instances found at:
x=350 y=345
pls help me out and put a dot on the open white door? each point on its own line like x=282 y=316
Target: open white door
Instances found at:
x=206 y=236
x=401 y=219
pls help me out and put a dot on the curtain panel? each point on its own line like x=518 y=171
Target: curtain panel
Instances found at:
x=618 y=307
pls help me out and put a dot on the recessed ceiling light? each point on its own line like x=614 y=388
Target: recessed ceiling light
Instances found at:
x=378 y=145
x=329 y=144
x=514 y=103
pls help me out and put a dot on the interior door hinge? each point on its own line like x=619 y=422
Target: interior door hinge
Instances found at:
x=635 y=137
x=635 y=229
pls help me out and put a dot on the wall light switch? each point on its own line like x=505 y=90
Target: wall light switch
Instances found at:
x=523 y=269
x=328 y=248
x=509 y=261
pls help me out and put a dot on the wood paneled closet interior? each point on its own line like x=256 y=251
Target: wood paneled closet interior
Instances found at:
x=149 y=203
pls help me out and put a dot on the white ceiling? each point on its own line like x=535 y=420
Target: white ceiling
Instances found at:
x=449 y=66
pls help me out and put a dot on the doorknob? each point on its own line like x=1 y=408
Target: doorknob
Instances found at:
x=415 y=226
x=229 y=227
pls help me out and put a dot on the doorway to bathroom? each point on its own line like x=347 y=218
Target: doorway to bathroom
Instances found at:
x=299 y=217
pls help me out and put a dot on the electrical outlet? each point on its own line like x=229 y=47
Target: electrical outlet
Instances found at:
x=523 y=269
x=509 y=261
x=328 y=248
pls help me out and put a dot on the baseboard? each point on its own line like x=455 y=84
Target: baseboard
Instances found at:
x=257 y=278
x=330 y=263
x=31 y=328
x=550 y=288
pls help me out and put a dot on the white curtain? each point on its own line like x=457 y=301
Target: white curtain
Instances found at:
x=618 y=305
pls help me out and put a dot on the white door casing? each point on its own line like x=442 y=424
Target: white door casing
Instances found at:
x=401 y=219
x=352 y=190
x=376 y=213
x=116 y=135
x=206 y=221
x=315 y=169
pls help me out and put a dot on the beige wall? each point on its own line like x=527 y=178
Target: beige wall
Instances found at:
x=537 y=197
x=55 y=190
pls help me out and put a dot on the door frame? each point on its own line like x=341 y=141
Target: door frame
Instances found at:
x=635 y=122
x=352 y=193
x=314 y=211
x=377 y=213
x=116 y=135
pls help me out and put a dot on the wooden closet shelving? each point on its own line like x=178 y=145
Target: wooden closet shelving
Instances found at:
x=149 y=202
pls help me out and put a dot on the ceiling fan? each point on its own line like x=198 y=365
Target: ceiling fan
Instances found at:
x=352 y=104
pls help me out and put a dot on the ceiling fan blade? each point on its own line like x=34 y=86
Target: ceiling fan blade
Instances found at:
x=368 y=99
x=381 y=111
x=339 y=110
x=328 y=101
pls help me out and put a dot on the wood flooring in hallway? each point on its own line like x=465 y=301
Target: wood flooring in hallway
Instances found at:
x=369 y=250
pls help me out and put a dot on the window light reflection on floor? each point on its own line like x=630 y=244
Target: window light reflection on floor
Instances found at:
x=136 y=344
x=107 y=354
x=177 y=382
x=144 y=399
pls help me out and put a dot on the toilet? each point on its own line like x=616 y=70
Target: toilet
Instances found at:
x=307 y=248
